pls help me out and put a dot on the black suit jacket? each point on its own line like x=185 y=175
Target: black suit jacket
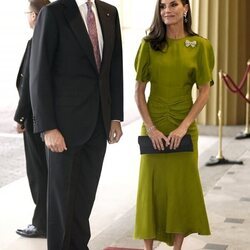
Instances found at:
x=23 y=114
x=67 y=90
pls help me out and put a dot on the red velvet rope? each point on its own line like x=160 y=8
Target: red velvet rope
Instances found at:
x=233 y=87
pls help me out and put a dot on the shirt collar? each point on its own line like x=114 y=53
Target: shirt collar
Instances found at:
x=81 y=2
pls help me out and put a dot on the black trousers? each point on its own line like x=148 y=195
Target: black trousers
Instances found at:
x=36 y=167
x=72 y=184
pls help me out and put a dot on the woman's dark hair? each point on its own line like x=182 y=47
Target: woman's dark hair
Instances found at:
x=156 y=34
x=36 y=5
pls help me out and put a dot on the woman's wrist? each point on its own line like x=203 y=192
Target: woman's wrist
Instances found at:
x=184 y=128
x=150 y=129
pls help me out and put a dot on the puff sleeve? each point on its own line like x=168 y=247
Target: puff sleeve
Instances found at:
x=205 y=64
x=142 y=62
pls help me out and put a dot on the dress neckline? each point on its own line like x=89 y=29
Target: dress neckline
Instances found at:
x=178 y=39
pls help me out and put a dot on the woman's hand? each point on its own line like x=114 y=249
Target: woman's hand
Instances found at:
x=159 y=140
x=175 y=137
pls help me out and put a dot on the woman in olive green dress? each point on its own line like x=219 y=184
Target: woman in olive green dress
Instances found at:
x=170 y=203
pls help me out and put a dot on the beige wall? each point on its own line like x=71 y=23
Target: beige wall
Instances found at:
x=225 y=24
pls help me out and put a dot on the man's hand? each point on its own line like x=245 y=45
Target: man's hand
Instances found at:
x=115 y=132
x=19 y=128
x=54 y=141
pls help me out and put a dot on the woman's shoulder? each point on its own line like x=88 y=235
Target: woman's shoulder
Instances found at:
x=145 y=42
x=144 y=45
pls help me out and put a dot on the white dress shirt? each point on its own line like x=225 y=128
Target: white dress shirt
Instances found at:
x=83 y=10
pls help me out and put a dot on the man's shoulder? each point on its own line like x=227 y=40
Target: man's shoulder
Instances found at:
x=54 y=5
x=106 y=5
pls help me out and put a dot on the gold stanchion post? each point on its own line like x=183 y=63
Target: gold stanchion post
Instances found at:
x=219 y=155
x=219 y=159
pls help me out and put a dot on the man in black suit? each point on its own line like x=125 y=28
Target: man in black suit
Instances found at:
x=34 y=148
x=36 y=165
x=77 y=105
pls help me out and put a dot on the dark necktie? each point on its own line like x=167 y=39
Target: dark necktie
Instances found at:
x=91 y=23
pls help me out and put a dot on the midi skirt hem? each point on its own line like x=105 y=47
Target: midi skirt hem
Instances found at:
x=168 y=238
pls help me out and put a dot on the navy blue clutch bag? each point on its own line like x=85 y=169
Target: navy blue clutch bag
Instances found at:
x=146 y=146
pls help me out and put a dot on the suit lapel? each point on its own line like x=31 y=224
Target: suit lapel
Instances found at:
x=77 y=25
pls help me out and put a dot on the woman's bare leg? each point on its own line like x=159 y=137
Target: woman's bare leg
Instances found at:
x=178 y=240
x=148 y=244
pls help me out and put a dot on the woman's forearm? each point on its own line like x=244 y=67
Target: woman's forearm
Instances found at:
x=197 y=106
x=142 y=104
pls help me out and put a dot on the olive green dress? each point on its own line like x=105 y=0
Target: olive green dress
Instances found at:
x=170 y=198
